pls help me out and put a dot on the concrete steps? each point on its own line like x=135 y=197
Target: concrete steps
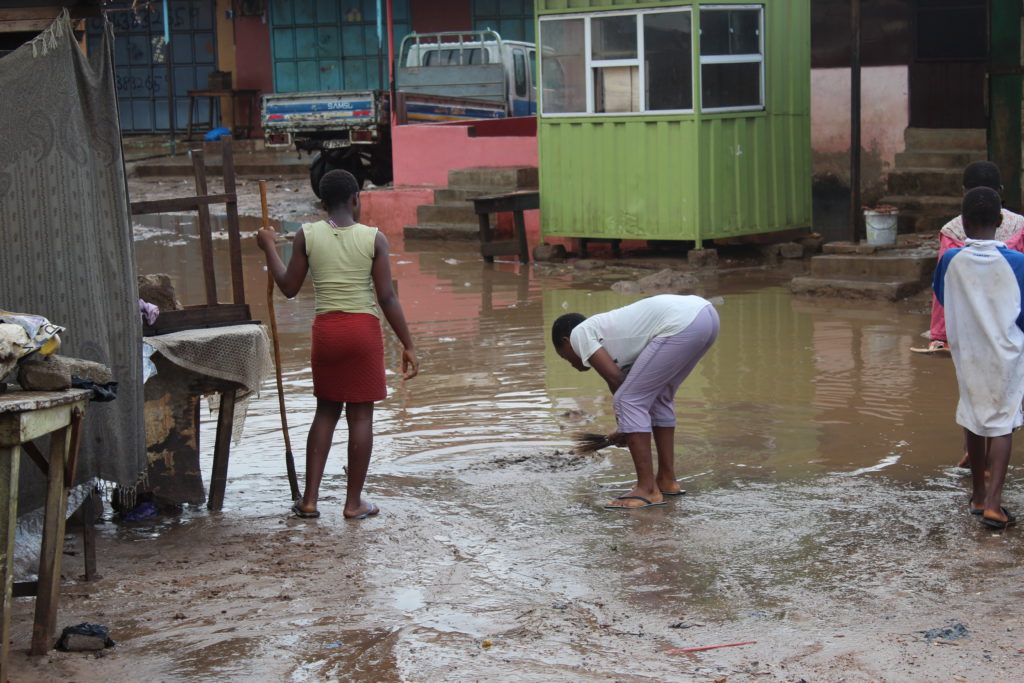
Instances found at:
x=451 y=216
x=926 y=183
x=866 y=272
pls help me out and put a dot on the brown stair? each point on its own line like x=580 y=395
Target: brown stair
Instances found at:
x=926 y=183
x=451 y=216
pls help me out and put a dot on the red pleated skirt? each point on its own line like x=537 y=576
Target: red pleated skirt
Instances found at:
x=347 y=355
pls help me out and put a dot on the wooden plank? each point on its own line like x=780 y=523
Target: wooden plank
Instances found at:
x=20 y=401
x=198 y=317
x=89 y=535
x=526 y=200
x=493 y=249
x=48 y=12
x=234 y=235
x=182 y=203
x=9 y=459
x=519 y=227
x=36 y=456
x=222 y=450
x=33 y=25
x=17 y=428
x=485 y=236
x=205 y=232
x=51 y=553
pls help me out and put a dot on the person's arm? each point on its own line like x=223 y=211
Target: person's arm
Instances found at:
x=289 y=279
x=391 y=307
x=602 y=361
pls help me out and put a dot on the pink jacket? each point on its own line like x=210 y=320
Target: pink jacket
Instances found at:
x=1011 y=232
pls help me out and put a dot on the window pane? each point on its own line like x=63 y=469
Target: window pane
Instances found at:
x=730 y=32
x=613 y=37
x=669 y=61
x=730 y=85
x=616 y=89
x=563 y=71
x=519 y=60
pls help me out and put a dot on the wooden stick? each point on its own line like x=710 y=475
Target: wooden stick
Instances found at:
x=289 y=459
x=710 y=647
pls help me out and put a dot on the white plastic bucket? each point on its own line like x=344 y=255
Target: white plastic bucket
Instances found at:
x=881 y=226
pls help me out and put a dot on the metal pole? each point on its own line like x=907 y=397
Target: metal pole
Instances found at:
x=380 y=47
x=854 y=120
x=391 y=59
x=169 y=59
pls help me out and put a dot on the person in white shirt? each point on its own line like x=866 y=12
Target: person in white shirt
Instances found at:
x=643 y=351
x=981 y=286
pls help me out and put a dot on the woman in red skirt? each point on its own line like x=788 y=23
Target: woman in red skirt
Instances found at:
x=351 y=275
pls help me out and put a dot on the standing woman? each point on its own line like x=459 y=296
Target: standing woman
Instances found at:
x=643 y=351
x=352 y=283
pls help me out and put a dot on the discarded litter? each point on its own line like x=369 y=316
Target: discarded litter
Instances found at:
x=710 y=647
x=84 y=636
x=955 y=631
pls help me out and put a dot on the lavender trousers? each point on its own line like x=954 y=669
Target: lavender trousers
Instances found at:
x=647 y=398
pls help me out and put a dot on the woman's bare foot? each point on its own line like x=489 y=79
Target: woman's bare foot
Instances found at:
x=364 y=510
x=965 y=461
x=668 y=486
x=636 y=498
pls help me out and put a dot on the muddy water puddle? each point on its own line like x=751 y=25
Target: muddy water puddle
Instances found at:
x=816 y=449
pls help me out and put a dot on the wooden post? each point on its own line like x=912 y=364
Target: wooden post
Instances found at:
x=222 y=450
x=53 y=545
x=10 y=456
x=234 y=237
x=854 y=229
x=205 y=231
x=1004 y=96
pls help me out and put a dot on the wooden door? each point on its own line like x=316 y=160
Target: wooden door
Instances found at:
x=947 y=76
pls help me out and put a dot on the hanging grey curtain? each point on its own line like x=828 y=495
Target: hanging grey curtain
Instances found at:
x=65 y=234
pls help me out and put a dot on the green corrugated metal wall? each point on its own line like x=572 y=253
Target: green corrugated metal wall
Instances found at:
x=687 y=176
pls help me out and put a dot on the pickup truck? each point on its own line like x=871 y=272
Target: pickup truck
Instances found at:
x=442 y=77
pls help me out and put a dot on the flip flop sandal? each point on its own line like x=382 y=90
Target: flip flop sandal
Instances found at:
x=369 y=513
x=680 y=492
x=999 y=524
x=647 y=503
x=299 y=512
x=939 y=348
x=973 y=510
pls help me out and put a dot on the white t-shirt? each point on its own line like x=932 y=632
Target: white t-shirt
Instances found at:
x=624 y=332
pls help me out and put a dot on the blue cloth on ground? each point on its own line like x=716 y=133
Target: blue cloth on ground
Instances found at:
x=217 y=134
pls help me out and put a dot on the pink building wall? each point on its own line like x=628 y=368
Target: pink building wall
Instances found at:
x=423 y=154
x=885 y=114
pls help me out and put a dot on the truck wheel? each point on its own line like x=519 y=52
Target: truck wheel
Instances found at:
x=325 y=161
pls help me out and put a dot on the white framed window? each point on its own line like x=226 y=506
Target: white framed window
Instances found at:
x=617 y=62
x=731 y=58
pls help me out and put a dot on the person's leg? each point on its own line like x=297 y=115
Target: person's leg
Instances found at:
x=360 y=446
x=318 y=445
x=976 y=448
x=998 y=461
x=689 y=346
x=664 y=442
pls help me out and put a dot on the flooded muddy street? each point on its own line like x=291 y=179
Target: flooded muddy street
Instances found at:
x=823 y=520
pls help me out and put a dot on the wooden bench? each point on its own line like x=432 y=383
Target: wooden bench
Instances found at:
x=516 y=202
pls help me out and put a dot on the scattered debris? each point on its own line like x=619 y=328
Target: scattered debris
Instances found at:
x=84 y=637
x=955 y=631
x=710 y=647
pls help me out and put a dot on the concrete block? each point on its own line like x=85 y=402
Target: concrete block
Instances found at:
x=549 y=252
x=855 y=289
x=53 y=372
x=666 y=281
x=158 y=290
x=702 y=258
x=812 y=245
x=588 y=264
x=443 y=232
x=791 y=250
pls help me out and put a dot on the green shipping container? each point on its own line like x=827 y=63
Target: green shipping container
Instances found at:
x=674 y=121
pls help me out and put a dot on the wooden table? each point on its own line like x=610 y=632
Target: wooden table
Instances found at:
x=245 y=94
x=24 y=416
x=516 y=202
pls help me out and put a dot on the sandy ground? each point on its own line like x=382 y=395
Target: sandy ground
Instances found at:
x=492 y=558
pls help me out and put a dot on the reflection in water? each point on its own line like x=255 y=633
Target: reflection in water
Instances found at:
x=808 y=437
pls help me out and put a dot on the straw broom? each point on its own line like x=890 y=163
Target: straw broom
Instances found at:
x=590 y=442
x=289 y=459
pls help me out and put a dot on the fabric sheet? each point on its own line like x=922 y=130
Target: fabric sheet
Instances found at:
x=981 y=286
x=67 y=250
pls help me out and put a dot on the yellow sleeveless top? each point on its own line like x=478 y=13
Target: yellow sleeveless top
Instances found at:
x=340 y=261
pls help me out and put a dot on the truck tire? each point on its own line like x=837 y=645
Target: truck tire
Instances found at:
x=329 y=160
